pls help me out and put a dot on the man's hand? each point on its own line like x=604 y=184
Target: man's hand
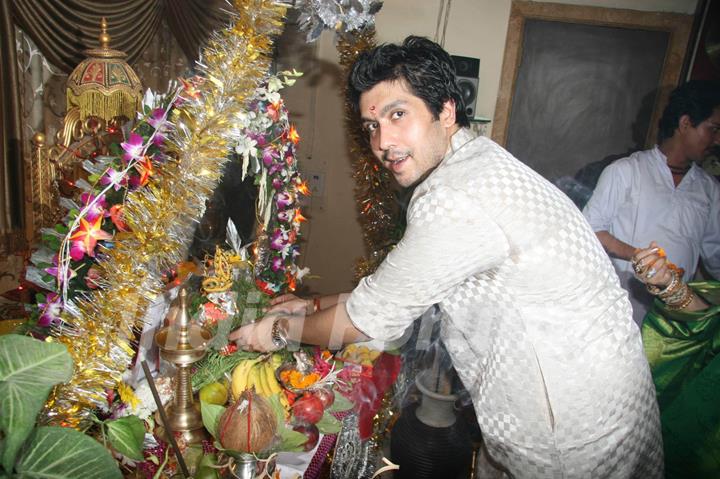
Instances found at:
x=290 y=304
x=256 y=336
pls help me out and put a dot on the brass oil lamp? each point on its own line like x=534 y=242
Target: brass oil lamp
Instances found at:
x=184 y=343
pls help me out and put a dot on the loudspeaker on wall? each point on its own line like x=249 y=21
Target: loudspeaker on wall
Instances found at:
x=468 y=72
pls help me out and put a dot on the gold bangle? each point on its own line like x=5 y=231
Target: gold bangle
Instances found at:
x=654 y=290
x=684 y=300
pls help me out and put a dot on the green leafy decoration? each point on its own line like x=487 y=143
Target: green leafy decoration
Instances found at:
x=340 y=404
x=328 y=424
x=290 y=441
x=126 y=436
x=211 y=416
x=28 y=370
x=62 y=453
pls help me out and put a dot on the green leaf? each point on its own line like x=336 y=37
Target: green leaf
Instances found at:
x=291 y=441
x=29 y=368
x=328 y=424
x=211 y=415
x=340 y=404
x=126 y=436
x=59 y=453
x=277 y=406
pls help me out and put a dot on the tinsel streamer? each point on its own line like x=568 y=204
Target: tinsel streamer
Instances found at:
x=162 y=216
x=374 y=189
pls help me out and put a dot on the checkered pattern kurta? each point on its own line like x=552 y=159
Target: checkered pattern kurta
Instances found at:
x=534 y=318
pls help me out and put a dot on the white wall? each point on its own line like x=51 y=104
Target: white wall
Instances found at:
x=475 y=28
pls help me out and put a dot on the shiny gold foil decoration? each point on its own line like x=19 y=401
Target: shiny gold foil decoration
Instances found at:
x=162 y=216
x=375 y=190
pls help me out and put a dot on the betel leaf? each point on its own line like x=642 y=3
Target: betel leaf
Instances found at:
x=290 y=441
x=29 y=368
x=341 y=403
x=63 y=453
x=211 y=416
x=126 y=436
x=328 y=424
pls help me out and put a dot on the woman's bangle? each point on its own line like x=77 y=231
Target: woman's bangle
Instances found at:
x=683 y=301
x=674 y=282
x=316 y=304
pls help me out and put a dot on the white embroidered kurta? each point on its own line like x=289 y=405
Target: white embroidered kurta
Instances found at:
x=536 y=323
x=636 y=201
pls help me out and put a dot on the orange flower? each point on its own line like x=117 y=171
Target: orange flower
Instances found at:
x=116 y=216
x=89 y=234
x=293 y=135
x=146 y=170
x=302 y=187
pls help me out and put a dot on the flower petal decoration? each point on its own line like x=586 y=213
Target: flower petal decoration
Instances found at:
x=117 y=179
x=145 y=168
x=88 y=234
x=116 y=216
x=133 y=147
x=50 y=310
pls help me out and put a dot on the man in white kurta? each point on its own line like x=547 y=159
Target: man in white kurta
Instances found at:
x=637 y=202
x=534 y=318
x=536 y=322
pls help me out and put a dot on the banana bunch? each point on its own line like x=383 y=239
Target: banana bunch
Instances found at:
x=260 y=374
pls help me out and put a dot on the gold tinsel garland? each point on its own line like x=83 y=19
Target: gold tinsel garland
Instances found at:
x=162 y=216
x=374 y=192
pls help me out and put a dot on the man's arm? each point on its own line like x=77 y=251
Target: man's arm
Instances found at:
x=330 y=327
x=614 y=247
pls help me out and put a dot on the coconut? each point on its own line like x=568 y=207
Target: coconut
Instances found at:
x=248 y=425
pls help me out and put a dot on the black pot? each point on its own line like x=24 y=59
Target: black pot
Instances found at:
x=425 y=452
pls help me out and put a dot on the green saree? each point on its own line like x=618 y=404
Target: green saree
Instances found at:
x=682 y=349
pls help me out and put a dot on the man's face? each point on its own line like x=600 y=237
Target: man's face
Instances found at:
x=699 y=139
x=403 y=134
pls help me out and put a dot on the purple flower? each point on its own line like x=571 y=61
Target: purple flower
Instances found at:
x=283 y=200
x=51 y=310
x=286 y=216
x=77 y=250
x=115 y=178
x=269 y=155
x=97 y=205
x=157 y=118
x=159 y=138
x=277 y=183
x=275 y=168
x=133 y=147
x=278 y=241
x=277 y=264
x=55 y=271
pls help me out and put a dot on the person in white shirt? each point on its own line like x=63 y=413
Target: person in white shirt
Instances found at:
x=662 y=195
x=532 y=313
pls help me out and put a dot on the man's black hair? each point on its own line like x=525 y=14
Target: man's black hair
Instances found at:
x=697 y=99
x=426 y=68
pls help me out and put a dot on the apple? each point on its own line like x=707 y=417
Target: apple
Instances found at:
x=312 y=434
x=308 y=409
x=326 y=396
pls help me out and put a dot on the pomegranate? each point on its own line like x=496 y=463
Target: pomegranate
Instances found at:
x=308 y=409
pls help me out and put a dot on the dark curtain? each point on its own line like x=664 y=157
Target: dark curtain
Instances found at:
x=11 y=179
x=62 y=29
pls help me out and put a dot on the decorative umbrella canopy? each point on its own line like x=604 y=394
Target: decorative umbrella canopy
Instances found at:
x=104 y=85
